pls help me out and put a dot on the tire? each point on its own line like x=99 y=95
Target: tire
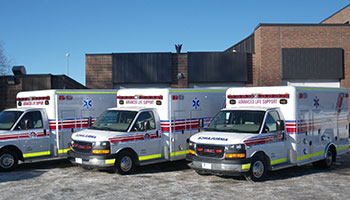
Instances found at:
x=258 y=169
x=8 y=160
x=202 y=173
x=327 y=162
x=125 y=163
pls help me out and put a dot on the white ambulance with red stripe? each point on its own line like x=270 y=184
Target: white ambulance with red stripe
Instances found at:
x=270 y=128
x=148 y=126
x=43 y=122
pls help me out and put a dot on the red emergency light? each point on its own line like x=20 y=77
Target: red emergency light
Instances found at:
x=33 y=98
x=250 y=96
x=140 y=97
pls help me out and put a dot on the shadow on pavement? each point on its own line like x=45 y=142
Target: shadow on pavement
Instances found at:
x=31 y=170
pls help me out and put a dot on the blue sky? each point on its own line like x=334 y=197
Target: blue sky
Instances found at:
x=39 y=33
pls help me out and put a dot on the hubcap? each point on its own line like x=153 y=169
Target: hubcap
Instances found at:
x=329 y=158
x=126 y=163
x=7 y=161
x=258 y=169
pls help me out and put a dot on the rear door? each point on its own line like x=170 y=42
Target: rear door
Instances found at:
x=35 y=140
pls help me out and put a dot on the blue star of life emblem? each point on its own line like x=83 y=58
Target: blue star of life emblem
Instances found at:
x=316 y=102
x=87 y=103
x=195 y=103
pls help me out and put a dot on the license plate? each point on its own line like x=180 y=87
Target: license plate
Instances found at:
x=79 y=160
x=206 y=165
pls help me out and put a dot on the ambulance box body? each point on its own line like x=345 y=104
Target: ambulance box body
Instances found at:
x=42 y=124
x=270 y=128
x=148 y=126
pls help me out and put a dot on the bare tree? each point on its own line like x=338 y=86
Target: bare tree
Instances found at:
x=4 y=62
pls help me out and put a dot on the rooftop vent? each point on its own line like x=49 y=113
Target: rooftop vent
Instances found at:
x=19 y=70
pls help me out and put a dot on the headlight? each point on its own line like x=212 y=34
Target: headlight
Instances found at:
x=191 y=145
x=101 y=144
x=102 y=147
x=236 y=147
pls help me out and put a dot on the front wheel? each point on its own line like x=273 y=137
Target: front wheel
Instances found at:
x=125 y=163
x=257 y=170
x=8 y=160
x=202 y=173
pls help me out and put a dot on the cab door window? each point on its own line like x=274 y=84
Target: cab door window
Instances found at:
x=144 y=122
x=31 y=120
x=271 y=122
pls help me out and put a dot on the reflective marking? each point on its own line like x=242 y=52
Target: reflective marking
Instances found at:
x=342 y=147
x=141 y=158
x=310 y=155
x=246 y=166
x=278 y=161
x=43 y=153
x=324 y=89
x=179 y=153
x=110 y=161
x=61 y=151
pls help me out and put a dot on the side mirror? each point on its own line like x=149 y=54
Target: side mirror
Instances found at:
x=146 y=125
x=89 y=122
x=200 y=124
x=280 y=125
x=26 y=124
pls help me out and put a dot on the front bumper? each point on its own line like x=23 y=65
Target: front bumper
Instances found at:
x=219 y=166
x=93 y=161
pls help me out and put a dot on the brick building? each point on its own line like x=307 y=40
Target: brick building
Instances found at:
x=274 y=54
x=301 y=54
x=11 y=85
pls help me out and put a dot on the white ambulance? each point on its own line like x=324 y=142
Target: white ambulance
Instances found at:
x=270 y=128
x=43 y=122
x=148 y=126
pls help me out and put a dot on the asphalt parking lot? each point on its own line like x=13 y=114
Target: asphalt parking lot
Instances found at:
x=58 y=179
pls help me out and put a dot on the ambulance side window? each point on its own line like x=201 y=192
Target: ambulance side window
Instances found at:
x=145 y=121
x=31 y=120
x=270 y=123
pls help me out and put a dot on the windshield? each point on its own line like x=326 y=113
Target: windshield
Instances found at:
x=8 y=118
x=114 y=120
x=239 y=121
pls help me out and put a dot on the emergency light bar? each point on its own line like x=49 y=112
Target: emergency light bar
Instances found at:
x=33 y=98
x=250 y=96
x=140 y=97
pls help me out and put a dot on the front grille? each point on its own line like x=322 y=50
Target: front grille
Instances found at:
x=82 y=147
x=210 y=150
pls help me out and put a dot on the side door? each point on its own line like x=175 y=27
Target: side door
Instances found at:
x=147 y=136
x=35 y=142
x=181 y=132
x=275 y=139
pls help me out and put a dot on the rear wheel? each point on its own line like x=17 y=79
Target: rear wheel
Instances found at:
x=125 y=163
x=327 y=162
x=8 y=160
x=257 y=169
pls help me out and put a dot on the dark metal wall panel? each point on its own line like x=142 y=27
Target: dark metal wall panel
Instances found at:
x=217 y=67
x=246 y=45
x=312 y=63
x=141 y=67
